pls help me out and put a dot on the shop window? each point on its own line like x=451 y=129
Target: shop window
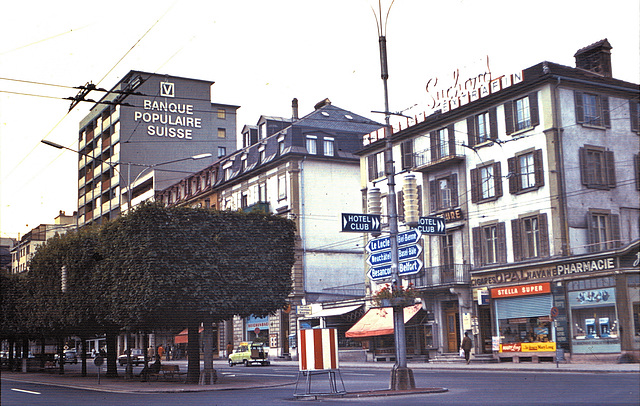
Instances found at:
x=525 y=172
x=486 y=183
x=444 y=192
x=525 y=330
x=604 y=230
x=530 y=237
x=636 y=318
x=489 y=244
x=597 y=167
x=521 y=114
x=592 y=109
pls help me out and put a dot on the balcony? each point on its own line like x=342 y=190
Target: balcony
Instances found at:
x=426 y=160
x=441 y=276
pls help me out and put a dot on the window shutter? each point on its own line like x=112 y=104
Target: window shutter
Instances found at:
x=614 y=220
x=577 y=96
x=508 y=116
x=606 y=117
x=544 y=235
x=477 y=245
x=452 y=140
x=454 y=190
x=434 y=145
x=512 y=175
x=611 y=168
x=419 y=200
x=502 y=243
x=407 y=154
x=497 y=177
x=590 y=233
x=475 y=192
x=634 y=113
x=493 y=124
x=433 y=195
x=471 y=131
x=400 y=204
x=533 y=109
x=538 y=167
x=636 y=165
x=371 y=160
x=517 y=240
x=584 y=174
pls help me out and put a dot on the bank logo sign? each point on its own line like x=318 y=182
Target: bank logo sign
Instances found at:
x=167 y=89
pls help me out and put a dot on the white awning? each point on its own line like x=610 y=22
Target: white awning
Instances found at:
x=337 y=311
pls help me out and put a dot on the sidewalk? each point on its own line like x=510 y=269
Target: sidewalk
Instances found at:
x=228 y=381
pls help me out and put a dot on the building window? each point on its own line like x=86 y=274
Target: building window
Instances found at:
x=328 y=147
x=222 y=151
x=312 y=145
x=227 y=173
x=530 y=237
x=446 y=251
x=486 y=183
x=222 y=114
x=597 y=168
x=604 y=230
x=442 y=143
x=489 y=244
x=522 y=113
x=282 y=187
x=262 y=155
x=636 y=167
x=592 y=109
x=222 y=133
x=444 y=192
x=262 y=192
x=281 y=147
x=525 y=171
x=376 y=165
x=634 y=114
x=482 y=127
x=244 y=200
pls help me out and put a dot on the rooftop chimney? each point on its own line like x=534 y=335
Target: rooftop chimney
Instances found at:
x=595 y=58
x=322 y=103
x=294 y=107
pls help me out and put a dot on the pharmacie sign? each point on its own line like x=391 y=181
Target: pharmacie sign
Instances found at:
x=167 y=118
x=533 y=274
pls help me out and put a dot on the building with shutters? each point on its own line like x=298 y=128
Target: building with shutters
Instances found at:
x=536 y=175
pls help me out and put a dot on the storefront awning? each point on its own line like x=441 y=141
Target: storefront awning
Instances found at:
x=379 y=321
x=183 y=337
x=338 y=311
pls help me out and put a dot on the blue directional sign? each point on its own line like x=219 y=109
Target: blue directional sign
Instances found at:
x=379 y=258
x=384 y=243
x=409 y=252
x=360 y=223
x=380 y=272
x=409 y=267
x=432 y=225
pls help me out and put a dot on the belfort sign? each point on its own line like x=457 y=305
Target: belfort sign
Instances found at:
x=167 y=118
x=533 y=274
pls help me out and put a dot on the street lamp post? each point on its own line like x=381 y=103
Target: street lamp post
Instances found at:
x=401 y=375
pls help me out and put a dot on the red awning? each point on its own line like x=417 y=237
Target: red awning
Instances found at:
x=183 y=337
x=379 y=321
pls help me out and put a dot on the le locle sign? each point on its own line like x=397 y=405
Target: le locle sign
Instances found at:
x=166 y=118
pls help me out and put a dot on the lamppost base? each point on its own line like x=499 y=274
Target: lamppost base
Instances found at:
x=402 y=378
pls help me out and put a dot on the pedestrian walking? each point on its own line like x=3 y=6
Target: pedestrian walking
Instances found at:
x=466 y=346
x=160 y=351
x=229 y=348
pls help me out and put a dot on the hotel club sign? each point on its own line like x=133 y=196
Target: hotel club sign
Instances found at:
x=167 y=118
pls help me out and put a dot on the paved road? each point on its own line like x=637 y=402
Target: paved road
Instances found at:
x=465 y=387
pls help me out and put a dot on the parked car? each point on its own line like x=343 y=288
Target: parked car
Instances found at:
x=137 y=357
x=70 y=357
x=249 y=353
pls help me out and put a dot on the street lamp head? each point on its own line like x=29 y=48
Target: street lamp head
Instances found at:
x=52 y=144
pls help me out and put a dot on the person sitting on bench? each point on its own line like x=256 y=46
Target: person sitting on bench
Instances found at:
x=150 y=370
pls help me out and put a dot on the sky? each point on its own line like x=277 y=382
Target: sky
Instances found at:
x=260 y=54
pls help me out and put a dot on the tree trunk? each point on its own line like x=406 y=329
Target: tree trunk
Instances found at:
x=209 y=376
x=83 y=354
x=193 y=352
x=112 y=343
x=61 y=355
x=129 y=370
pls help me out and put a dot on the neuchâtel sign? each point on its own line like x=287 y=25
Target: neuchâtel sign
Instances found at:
x=524 y=275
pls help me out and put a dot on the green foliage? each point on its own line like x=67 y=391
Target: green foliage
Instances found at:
x=153 y=268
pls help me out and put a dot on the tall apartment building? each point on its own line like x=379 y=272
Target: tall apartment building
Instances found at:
x=304 y=169
x=536 y=175
x=141 y=137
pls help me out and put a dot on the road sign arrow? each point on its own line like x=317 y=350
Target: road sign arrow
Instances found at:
x=409 y=267
x=409 y=252
x=379 y=272
x=379 y=258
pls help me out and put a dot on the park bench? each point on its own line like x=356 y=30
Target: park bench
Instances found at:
x=167 y=371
